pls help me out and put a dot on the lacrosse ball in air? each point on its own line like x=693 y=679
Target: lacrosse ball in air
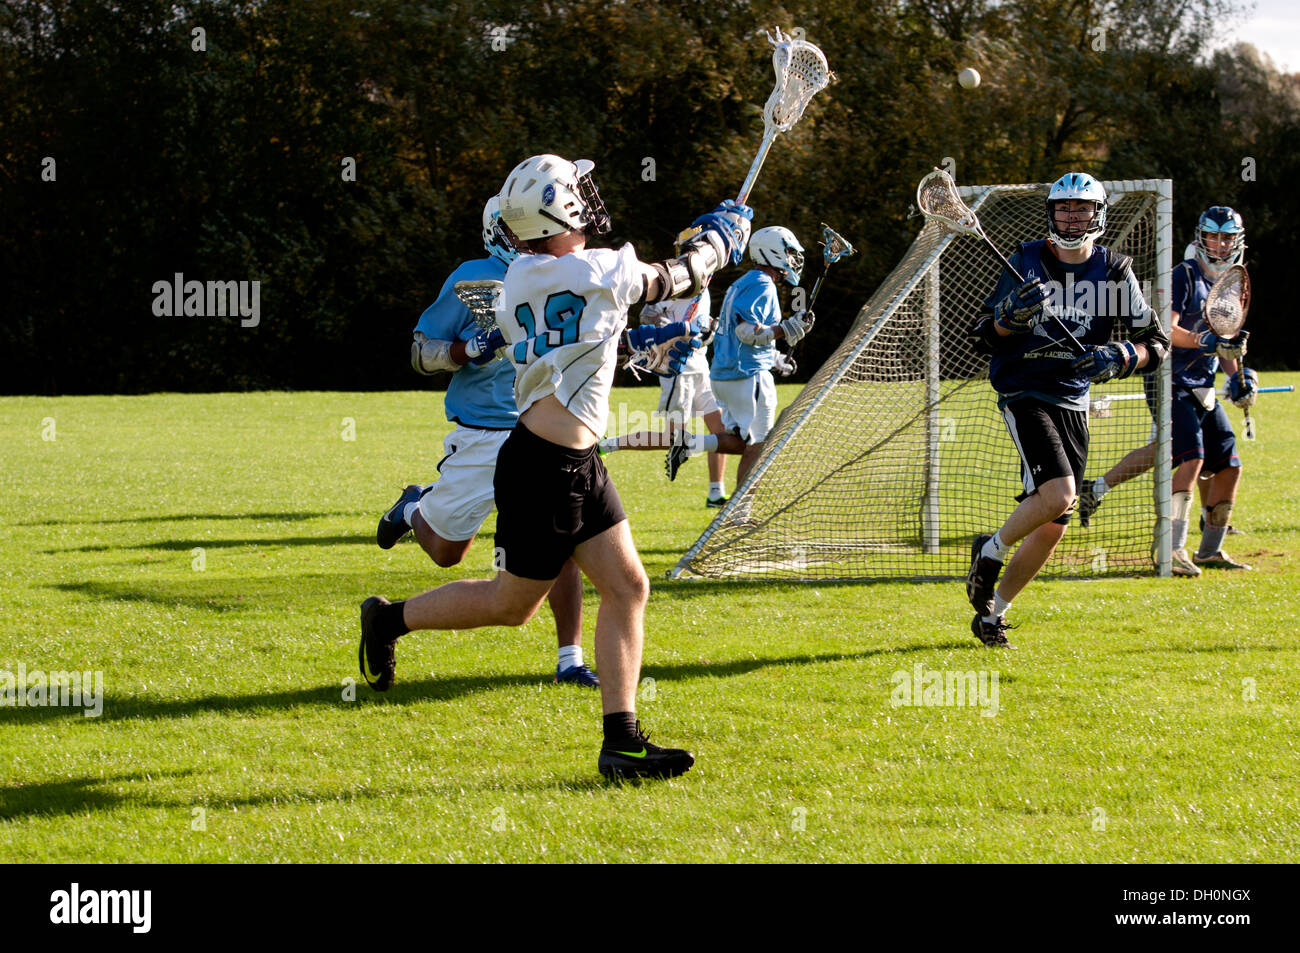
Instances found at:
x=968 y=78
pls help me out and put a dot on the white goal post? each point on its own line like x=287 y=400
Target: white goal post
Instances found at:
x=894 y=455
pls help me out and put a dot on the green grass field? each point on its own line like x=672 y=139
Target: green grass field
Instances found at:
x=207 y=554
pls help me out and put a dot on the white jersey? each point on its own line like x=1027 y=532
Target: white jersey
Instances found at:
x=666 y=312
x=562 y=319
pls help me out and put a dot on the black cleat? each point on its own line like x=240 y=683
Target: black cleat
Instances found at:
x=641 y=759
x=377 y=656
x=715 y=502
x=982 y=578
x=678 y=455
x=1088 y=503
x=992 y=634
x=392 y=525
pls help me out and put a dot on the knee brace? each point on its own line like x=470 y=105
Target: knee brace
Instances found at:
x=1220 y=514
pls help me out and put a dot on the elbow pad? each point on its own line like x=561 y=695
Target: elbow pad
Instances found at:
x=755 y=335
x=984 y=337
x=1154 y=339
x=429 y=356
x=690 y=272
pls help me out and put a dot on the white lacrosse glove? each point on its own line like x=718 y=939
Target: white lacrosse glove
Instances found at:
x=1233 y=349
x=784 y=364
x=797 y=325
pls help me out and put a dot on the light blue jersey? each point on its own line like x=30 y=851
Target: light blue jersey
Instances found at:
x=751 y=298
x=476 y=396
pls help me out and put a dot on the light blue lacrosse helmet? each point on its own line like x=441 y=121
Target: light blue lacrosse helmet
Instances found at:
x=1076 y=186
x=496 y=240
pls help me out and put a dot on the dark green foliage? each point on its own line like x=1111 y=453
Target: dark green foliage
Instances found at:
x=225 y=164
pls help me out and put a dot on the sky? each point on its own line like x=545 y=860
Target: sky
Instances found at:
x=1274 y=28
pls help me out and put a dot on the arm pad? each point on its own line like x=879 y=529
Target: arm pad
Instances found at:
x=755 y=335
x=687 y=274
x=430 y=356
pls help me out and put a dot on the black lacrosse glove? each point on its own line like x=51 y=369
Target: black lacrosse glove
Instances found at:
x=1018 y=311
x=1104 y=362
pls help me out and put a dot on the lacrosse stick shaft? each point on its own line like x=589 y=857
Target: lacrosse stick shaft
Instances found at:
x=1060 y=325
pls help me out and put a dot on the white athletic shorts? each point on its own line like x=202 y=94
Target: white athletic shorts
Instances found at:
x=748 y=405
x=685 y=397
x=458 y=502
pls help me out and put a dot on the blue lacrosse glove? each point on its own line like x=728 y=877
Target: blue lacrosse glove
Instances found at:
x=681 y=352
x=648 y=335
x=1243 y=388
x=730 y=221
x=1017 y=311
x=482 y=348
x=1104 y=362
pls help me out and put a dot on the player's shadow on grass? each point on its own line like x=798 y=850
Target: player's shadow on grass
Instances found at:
x=186 y=517
x=427 y=689
x=72 y=795
x=185 y=545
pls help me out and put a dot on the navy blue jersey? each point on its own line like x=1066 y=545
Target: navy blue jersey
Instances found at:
x=1191 y=368
x=1037 y=364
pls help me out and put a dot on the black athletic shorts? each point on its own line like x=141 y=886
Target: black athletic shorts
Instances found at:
x=1052 y=442
x=549 y=499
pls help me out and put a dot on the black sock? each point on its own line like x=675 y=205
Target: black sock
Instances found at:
x=389 y=623
x=620 y=726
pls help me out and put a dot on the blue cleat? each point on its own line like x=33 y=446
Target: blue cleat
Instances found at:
x=392 y=525
x=578 y=675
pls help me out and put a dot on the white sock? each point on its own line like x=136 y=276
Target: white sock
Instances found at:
x=1100 y=487
x=409 y=511
x=702 y=443
x=1182 y=507
x=570 y=656
x=1000 y=607
x=995 y=548
x=610 y=444
x=717 y=490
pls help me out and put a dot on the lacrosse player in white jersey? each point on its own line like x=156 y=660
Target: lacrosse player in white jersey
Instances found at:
x=447 y=514
x=683 y=396
x=749 y=325
x=563 y=311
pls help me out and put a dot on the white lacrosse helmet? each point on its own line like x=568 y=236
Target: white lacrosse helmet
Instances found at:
x=1076 y=186
x=1220 y=220
x=546 y=195
x=496 y=237
x=777 y=247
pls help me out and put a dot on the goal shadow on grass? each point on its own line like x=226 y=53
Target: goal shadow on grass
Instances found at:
x=186 y=517
x=70 y=796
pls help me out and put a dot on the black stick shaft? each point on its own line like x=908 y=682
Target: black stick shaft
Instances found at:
x=1074 y=342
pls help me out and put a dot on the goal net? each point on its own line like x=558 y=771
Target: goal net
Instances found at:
x=895 y=456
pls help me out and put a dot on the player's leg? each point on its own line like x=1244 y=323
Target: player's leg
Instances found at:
x=1221 y=492
x=463 y=604
x=1053 y=446
x=565 y=599
x=444 y=552
x=1133 y=464
x=726 y=443
x=649 y=439
x=610 y=562
x=1187 y=415
x=762 y=407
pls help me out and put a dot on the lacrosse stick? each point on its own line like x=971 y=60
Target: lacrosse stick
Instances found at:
x=481 y=297
x=937 y=198
x=834 y=247
x=801 y=73
x=1225 y=312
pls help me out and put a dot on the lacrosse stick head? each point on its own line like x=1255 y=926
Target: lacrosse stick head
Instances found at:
x=481 y=297
x=1228 y=301
x=801 y=73
x=938 y=200
x=834 y=245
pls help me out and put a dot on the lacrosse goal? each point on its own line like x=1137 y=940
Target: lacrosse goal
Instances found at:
x=895 y=455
